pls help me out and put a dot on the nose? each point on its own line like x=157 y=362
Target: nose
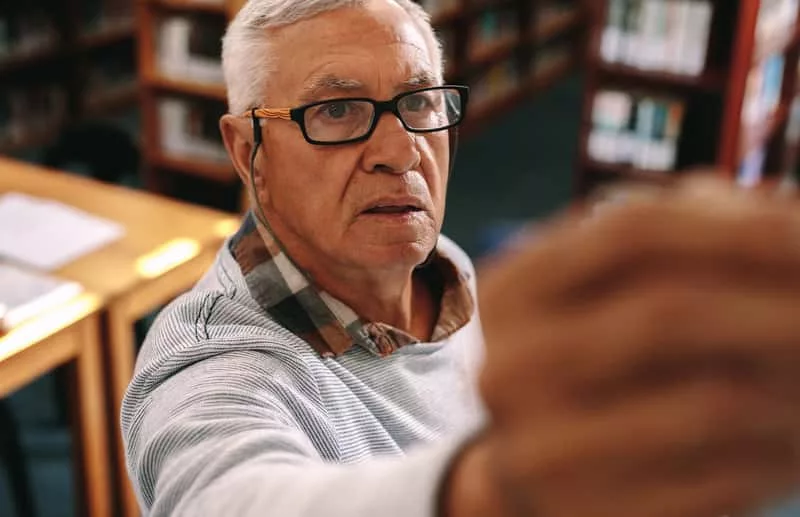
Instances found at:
x=391 y=148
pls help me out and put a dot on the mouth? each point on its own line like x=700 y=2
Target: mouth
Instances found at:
x=392 y=210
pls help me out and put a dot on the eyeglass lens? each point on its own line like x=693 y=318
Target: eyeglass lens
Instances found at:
x=342 y=120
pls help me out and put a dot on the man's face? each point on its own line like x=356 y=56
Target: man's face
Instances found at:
x=318 y=198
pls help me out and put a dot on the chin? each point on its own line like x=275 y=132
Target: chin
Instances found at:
x=385 y=242
x=390 y=255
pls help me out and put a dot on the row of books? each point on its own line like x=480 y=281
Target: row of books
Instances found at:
x=191 y=128
x=635 y=129
x=658 y=35
x=29 y=111
x=26 y=31
x=189 y=47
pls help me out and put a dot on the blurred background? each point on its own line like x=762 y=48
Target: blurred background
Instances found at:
x=568 y=98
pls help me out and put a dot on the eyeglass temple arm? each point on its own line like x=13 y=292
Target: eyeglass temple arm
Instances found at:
x=284 y=113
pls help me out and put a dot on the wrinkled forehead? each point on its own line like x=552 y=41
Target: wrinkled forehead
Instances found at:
x=375 y=50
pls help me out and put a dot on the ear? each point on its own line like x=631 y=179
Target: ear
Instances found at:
x=237 y=136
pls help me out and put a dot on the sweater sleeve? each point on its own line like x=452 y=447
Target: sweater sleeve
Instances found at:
x=221 y=437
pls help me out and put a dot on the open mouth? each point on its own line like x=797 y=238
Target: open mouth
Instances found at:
x=392 y=210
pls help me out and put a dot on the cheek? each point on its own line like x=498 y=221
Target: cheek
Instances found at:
x=435 y=150
x=305 y=181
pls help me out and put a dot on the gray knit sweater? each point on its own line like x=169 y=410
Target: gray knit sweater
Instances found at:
x=230 y=414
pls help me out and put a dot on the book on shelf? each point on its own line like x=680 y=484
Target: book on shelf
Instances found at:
x=637 y=130
x=658 y=35
x=493 y=27
x=763 y=90
x=191 y=128
x=551 y=56
x=30 y=110
x=775 y=17
x=108 y=71
x=26 y=30
x=189 y=47
x=102 y=14
x=554 y=13
x=751 y=170
x=495 y=83
x=26 y=293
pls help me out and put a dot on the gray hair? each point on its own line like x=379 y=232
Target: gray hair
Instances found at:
x=246 y=60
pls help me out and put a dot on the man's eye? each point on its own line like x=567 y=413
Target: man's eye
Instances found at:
x=337 y=110
x=417 y=102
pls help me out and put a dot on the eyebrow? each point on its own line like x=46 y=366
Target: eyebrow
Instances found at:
x=317 y=85
x=419 y=80
x=314 y=88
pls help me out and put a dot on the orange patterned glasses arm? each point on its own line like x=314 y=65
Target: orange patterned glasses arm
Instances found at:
x=284 y=113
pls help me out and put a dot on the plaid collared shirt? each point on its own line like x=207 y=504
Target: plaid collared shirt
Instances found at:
x=327 y=324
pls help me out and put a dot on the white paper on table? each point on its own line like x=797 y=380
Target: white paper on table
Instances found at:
x=46 y=234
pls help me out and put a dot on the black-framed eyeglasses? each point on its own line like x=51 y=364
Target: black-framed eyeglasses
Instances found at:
x=349 y=120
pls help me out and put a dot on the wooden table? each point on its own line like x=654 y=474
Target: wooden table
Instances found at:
x=70 y=333
x=167 y=246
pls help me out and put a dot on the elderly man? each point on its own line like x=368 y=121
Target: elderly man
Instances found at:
x=639 y=363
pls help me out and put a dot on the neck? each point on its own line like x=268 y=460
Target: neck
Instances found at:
x=400 y=299
x=396 y=297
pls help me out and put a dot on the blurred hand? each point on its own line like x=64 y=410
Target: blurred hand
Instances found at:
x=643 y=362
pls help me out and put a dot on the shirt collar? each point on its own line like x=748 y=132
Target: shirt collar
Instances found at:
x=332 y=328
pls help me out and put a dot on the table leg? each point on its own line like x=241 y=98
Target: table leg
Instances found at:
x=121 y=358
x=92 y=421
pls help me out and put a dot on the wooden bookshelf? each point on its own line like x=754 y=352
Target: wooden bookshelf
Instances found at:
x=184 y=87
x=66 y=61
x=709 y=80
x=539 y=27
x=16 y=60
x=458 y=23
x=33 y=138
x=495 y=51
x=626 y=172
x=213 y=170
x=545 y=79
x=556 y=25
x=112 y=100
x=214 y=7
x=113 y=33
x=715 y=100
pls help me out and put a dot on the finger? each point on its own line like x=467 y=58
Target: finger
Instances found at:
x=665 y=430
x=572 y=256
x=644 y=447
x=660 y=327
x=726 y=492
